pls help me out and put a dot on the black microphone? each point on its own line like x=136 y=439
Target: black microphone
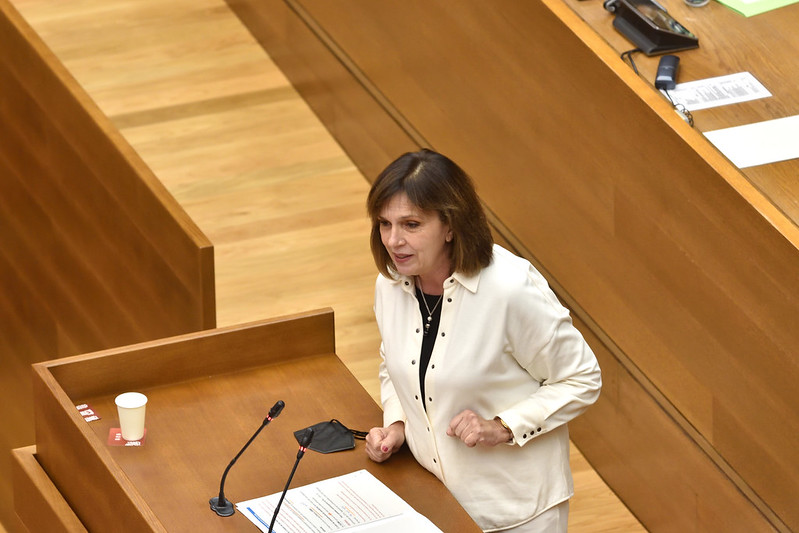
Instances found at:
x=219 y=504
x=304 y=443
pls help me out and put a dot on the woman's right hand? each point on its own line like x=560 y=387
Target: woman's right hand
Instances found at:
x=381 y=443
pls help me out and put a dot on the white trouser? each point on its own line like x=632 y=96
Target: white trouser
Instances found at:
x=553 y=520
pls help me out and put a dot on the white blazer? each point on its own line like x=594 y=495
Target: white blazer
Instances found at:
x=505 y=347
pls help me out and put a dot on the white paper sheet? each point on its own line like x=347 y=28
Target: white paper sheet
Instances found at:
x=357 y=502
x=718 y=91
x=759 y=143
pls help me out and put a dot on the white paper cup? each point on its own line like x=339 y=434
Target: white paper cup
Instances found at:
x=130 y=406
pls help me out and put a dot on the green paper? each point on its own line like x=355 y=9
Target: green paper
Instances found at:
x=749 y=8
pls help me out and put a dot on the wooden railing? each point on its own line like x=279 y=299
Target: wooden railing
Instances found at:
x=94 y=252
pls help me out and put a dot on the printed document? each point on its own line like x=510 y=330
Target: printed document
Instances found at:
x=356 y=502
x=718 y=91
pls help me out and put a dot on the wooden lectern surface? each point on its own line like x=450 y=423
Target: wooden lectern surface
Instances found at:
x=197 y=421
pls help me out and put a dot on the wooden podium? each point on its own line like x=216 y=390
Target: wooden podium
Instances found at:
x=208 y=392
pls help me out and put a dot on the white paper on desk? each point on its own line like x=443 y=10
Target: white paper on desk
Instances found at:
x=759 y=143
x=357 y=502
x=718 y=91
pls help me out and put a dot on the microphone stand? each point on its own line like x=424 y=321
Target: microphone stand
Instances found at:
x=219 y=504
x=304 y=443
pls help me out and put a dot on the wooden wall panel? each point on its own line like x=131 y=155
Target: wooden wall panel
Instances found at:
x=94 y=253
x=636 y=444
x=683 y=269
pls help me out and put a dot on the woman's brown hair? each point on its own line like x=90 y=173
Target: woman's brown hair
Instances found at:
x=433 y=182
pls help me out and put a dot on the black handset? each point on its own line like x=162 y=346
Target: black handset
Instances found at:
x=666 y=77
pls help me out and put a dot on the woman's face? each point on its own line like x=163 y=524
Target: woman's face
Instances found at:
x=418 y=241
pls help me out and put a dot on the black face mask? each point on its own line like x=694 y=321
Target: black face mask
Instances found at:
x=331 y=436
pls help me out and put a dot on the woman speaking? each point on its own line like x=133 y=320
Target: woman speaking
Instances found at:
x=481 y=367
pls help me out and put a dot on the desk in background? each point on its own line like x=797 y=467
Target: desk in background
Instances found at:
x=765 y=45
x=680 y=269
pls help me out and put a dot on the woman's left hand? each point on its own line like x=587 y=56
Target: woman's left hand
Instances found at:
x=473 y=429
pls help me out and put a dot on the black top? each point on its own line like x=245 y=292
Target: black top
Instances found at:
x=429 y=340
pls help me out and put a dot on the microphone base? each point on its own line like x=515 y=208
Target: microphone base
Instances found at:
x=223 y=508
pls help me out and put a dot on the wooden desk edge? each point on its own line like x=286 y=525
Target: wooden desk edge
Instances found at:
x=37 y=501
x=736 y=179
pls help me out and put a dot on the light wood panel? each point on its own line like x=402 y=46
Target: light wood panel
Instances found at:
x=281 y=201
x=674 y=259
x=94 y=251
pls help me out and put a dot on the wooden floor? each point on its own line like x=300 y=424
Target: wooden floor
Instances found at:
x=219 y=124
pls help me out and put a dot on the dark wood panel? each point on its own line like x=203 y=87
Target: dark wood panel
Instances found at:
x=95 y=253
x=637 y=446
x=646 y=231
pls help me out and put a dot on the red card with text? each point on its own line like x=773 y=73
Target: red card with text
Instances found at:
x=115 y=438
